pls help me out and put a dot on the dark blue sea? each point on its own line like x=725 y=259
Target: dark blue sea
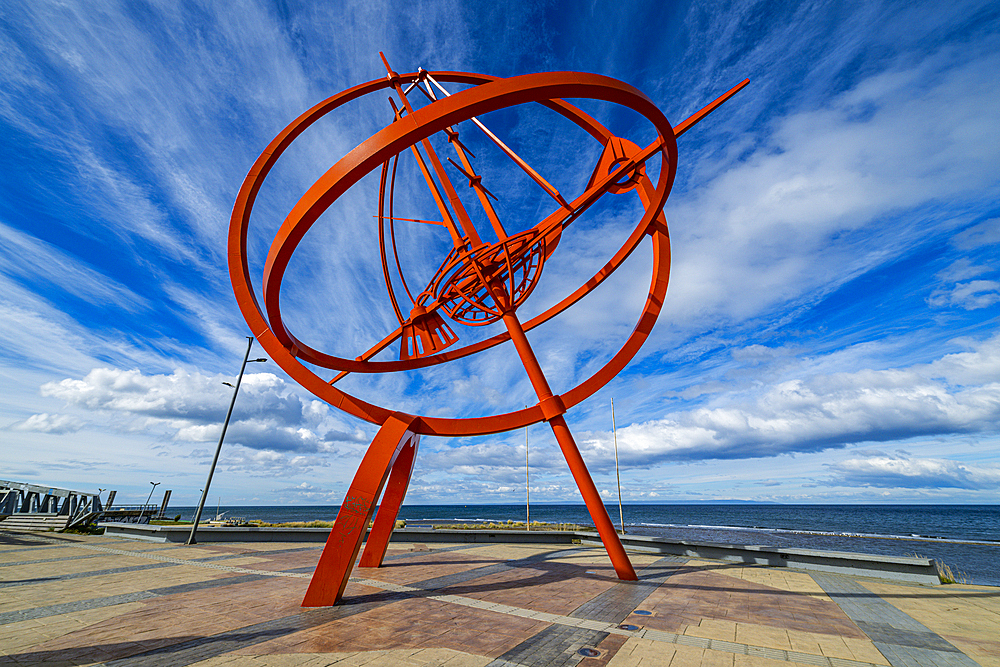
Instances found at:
x=965 y=537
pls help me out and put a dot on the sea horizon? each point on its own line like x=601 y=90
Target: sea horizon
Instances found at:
x=963 y=536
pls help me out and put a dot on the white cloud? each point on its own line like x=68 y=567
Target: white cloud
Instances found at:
x=983 y=234
x=979 y=366
x=969 y=295
x=820 y=202
x=915 y=473
x=818 y=412
x=309 y=493
x=190 y=407
x=46 y=423
x=268 y=463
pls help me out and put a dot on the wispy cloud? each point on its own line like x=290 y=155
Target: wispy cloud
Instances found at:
x=818 y=412
x=189 y=407
x=32 y=261
x=914 y=473
x=46 y=423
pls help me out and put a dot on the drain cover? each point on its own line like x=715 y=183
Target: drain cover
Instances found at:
x=588 y=652
x=642 y=612
x=630 y=628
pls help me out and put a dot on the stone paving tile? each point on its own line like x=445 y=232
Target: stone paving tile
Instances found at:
x=696 y=593
x=410 y=623
x=905 y=641
x=424 y=566
x=616 y=602
x=557 y=646
x=199 y=628
x=555 y=588
x=67 y=554
x=391 y=658
x=231 y=613
x=395 y=554
x=44 y=576
x=214 y=580
x=70 y=563
x=80 y=554
x=196 y=615
x=966 y=616
x=774 y=577
x=16 y=637
x=47 y=594
x=597 y=557
x=501 y=552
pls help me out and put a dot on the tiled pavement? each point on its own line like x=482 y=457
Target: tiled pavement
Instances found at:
x=75 y=600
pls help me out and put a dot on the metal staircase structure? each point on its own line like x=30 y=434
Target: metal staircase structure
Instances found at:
x=32 y=507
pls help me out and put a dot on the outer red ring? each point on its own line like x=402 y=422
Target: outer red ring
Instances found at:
x=491 y=93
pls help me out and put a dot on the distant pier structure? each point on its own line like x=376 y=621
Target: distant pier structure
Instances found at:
x=33 y=507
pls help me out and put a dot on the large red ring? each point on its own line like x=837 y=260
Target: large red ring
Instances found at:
x=487 y=94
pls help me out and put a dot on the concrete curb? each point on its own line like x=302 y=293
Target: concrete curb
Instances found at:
x=895 y=568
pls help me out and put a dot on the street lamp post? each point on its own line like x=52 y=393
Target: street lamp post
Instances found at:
x=225 y=425
x=155 y=484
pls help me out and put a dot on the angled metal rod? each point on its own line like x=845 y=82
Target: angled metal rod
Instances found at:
x=453 y=227
x=688 y=123
x=426 y=222
x=225 y=425
x=372 y=351
x=475 y=181
x=464 y=222
x=535 y=176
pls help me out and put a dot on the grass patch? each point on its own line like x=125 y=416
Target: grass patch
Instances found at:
x=515 y=525
x=313 y=524
x=294 y=524
x=949 y=576
x=88 y=529
x=945 y=574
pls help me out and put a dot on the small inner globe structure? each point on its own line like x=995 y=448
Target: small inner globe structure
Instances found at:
x=478 y=282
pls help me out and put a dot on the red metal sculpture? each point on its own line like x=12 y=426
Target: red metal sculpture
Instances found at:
x=477 y=284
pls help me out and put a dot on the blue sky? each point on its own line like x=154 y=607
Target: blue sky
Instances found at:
x=829 y=333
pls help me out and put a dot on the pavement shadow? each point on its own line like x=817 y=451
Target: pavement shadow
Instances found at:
x=15 y=539
x=553 y=571
x=66 y=657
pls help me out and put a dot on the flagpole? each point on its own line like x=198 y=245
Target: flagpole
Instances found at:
x=614 y=430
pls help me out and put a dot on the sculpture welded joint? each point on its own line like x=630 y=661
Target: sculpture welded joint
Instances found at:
x=478 y=282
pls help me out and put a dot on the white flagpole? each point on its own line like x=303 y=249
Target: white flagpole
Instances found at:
x=614 y=430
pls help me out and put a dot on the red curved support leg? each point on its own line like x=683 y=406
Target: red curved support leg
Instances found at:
x=342 y=546
x=388 y=509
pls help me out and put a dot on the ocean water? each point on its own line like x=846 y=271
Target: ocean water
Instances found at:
x=965 y=537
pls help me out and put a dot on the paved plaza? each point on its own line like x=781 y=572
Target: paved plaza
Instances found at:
x=78 y=600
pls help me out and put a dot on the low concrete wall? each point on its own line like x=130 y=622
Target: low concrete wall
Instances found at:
x=896 y=568
x=139 y=531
